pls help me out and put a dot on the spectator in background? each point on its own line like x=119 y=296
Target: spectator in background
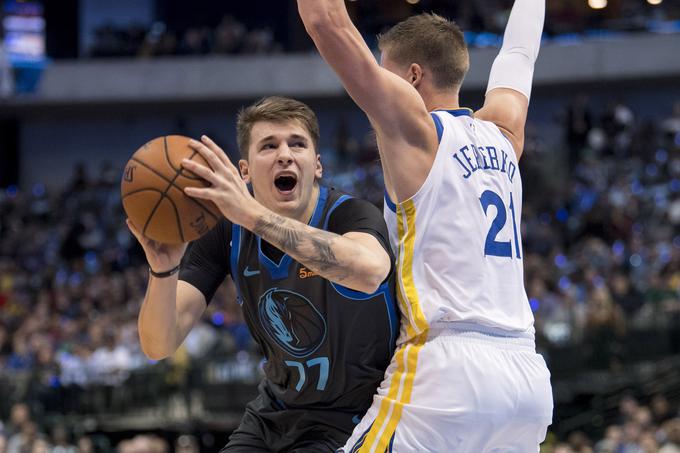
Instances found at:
x=605 y=325
x=186 y=443
x=672 y=431
x=578 y=123
x=6 y=72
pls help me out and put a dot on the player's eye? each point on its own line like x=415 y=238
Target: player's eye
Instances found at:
x=299 y=144
x=269 y=146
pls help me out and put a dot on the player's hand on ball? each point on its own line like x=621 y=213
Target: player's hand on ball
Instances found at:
x=161 y=257
x=228 y=191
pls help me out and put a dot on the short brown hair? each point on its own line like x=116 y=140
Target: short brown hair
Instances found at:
x=279 y=110
x=430 y=41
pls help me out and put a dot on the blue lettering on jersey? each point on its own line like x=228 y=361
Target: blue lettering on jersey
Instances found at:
x=511 y=171
x=493 y=157
x=467 y=159
x=467 y=173
x=479 y=161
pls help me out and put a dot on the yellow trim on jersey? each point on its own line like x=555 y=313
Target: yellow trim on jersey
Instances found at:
x=399 y=394
x=407 y=292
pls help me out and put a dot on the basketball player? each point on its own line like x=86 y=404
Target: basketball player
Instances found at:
x=313 y=272
x=465 y=377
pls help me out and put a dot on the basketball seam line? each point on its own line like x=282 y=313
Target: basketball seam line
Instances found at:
x=158 y=203
x=134 y=192
x=167 y=158
x=178 y=171
x=164 y=178
x=163 y=195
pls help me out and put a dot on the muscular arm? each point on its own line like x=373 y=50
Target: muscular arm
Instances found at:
x=509 y=89
x=406 y=133
x=169 y=311
x=355 y=260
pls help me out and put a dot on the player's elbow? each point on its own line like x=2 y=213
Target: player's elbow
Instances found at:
x=373 y=276
x=154 y=353
x=154 y=350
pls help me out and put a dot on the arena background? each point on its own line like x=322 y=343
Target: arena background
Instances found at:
x=83 y=83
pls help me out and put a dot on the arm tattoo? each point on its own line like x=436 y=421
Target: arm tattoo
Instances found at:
x=310 y=246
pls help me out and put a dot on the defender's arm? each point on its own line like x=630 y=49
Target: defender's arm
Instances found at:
x=404 y=127
x=509 y=88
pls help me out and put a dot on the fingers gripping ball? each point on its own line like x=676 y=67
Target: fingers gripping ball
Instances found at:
x=152 y=190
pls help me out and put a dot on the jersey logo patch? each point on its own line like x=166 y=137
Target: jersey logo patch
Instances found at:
x=306 y=273
x=292 y=321
x=248 y=273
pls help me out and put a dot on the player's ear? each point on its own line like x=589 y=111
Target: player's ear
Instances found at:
x=415 y=74
x=245 y=170
x=318 y=171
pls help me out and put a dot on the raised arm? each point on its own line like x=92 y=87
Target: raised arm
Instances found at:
x=509 y=88
x=405 y=130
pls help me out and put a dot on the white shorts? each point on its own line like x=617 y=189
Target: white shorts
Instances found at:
x=459 y=392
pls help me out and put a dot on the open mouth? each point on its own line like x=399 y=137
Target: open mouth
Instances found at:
x=285 y=183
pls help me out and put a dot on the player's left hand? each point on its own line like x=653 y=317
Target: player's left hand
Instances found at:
x=228 y=191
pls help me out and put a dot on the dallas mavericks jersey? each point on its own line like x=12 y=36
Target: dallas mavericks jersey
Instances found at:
x=458 y=238
x=326 y=346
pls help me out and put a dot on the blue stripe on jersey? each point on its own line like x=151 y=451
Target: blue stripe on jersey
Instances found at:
x=438 y=124
x=360 y=442
x=340 y=200
x=457 y=112
x=392 y=441
x=389 y=203
x=390 y=304
x=280 y=270
x=235 y=251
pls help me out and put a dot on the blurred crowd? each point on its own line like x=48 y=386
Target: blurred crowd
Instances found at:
x=610 y=231
x=490 y=16
x=228 y=38
x=484 y=22
x=72 y=280
x=637 y=428
x=21 y=434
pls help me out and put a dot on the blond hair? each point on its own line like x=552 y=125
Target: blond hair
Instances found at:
x=433 y=42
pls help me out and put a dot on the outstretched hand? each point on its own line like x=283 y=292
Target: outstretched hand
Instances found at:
x=227 y=189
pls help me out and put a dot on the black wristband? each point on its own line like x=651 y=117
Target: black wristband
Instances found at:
x=165 y=274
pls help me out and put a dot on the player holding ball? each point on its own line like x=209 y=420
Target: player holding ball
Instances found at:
x=312 y=267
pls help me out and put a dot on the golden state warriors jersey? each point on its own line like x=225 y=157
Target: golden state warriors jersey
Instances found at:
x=458 y=238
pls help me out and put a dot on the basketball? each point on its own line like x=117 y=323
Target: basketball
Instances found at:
x=152 y=191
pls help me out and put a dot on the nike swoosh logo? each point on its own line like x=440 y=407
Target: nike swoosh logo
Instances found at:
x=249 y=273
x=356 y=419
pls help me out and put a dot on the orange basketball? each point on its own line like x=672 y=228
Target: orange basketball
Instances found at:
x=152 y=190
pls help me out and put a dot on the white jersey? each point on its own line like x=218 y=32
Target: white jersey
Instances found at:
x=458 y=238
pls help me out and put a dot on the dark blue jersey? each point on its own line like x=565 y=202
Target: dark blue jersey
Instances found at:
x=326 y=346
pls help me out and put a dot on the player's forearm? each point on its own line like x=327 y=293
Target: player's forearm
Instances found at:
x=331 y=256
x=514 y=66
x=157 y=322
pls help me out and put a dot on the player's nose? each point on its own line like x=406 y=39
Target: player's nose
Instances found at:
x=285 y=156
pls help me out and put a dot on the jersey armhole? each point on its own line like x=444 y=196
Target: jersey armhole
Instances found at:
x=440 y=127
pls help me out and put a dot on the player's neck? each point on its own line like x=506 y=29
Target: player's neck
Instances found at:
x=306 y=214
x=441 y=101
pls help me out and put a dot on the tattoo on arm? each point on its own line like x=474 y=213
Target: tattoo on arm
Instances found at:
x=313 y=248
